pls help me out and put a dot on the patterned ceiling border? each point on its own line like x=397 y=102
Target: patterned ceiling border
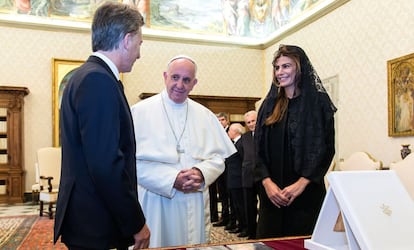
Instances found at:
x=320 y=9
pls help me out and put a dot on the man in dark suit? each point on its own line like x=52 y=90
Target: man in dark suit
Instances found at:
x=248 y=154
x=234 y=180
x=97 y=205
x=219 y=187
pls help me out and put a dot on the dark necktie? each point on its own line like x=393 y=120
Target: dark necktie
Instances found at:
x=120 y=83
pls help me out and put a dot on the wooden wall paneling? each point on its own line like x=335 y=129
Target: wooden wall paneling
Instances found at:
x=235 y=107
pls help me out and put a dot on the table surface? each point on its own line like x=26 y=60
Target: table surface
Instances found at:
x=284 y=243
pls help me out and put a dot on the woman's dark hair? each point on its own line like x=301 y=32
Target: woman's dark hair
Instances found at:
x=280 y=108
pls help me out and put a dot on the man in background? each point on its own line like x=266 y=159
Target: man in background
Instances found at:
x=234 y=180
x=97 y=205
x=227 y=220
x=248 y=155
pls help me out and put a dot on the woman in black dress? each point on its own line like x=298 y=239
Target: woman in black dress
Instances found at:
x=295 y=146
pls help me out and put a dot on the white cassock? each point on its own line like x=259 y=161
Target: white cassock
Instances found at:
x=177 y=218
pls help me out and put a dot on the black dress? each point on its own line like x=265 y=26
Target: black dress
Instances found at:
x=300 y=217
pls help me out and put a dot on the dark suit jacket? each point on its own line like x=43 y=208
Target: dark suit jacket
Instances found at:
x=97 y=204
x=234 y=168
x=248 y=154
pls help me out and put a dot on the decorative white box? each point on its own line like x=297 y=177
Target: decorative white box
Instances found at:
x=377 y=213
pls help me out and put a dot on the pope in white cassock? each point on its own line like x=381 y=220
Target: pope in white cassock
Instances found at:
x=181 y=147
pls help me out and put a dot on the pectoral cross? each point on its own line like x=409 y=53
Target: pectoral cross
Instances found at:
x=179 y=150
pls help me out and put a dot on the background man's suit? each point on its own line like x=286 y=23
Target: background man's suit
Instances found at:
x=248 y=154
x=235 y=187
x=227 y=218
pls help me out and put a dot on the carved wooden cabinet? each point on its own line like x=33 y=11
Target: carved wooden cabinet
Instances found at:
x=235 y=107
x=11 y=143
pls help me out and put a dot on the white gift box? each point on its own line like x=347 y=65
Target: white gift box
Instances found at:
x=376 y=210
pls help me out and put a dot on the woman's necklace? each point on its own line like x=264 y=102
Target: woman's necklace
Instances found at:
x=177 y=140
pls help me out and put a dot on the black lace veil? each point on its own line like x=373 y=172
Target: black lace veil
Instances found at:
x=311 y=147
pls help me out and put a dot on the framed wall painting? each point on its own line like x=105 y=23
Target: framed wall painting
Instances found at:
x=62 y=70
x=401 y=96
